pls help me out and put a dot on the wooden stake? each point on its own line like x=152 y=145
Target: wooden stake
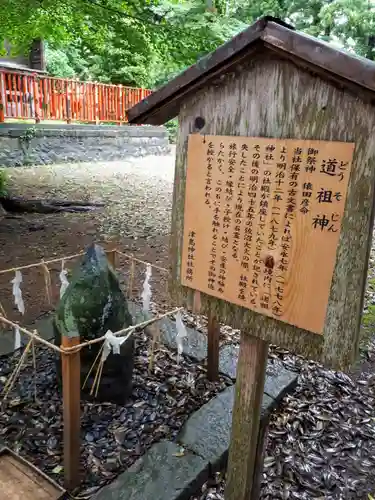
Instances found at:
x=111 y=256
x=251 y=370
x=131 y=279
x=213 y=334
x=196 y=302
x=71 y=380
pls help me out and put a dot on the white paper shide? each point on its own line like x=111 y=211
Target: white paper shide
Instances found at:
x=111 y=344
x=17 y=338
x=146 y=293
x=64 y=283
x=18 y=300
x=181 y=334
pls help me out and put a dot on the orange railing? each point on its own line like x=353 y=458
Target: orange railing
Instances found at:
x=31 y=96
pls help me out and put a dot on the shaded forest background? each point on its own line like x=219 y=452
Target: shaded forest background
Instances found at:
x=146 y=42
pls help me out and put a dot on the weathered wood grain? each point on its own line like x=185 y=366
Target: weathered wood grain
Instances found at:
x=259 y=458
x=112 y=257
x=271 y=97
x=18 y=481
x=213 y=344
x=245 y=446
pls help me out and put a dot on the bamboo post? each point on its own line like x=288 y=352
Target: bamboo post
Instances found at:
x=213 y=333
x=71 y=381
x=244 y=448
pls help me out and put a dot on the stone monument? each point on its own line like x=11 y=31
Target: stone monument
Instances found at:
x=92 y=304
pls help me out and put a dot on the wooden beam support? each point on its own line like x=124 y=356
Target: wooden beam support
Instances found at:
x=71 y=380
x=213 y=341
x=244 y=446
x=259 y=458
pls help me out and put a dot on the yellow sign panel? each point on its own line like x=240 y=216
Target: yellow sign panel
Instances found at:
x=262 y=223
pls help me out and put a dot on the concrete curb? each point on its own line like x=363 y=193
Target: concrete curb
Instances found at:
x=163 y=473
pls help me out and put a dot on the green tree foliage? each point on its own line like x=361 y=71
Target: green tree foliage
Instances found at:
x=147 y=50
x=146 y=42
x=137 y=42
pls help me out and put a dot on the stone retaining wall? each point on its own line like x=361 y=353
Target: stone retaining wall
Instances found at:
x=23 y=144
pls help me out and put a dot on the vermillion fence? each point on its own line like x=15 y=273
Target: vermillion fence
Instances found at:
x=35 y=97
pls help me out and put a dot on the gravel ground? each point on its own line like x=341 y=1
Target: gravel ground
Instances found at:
x=322 y=441
x=137 y=193
x=113 y=436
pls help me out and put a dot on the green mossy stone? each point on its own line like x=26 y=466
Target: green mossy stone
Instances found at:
x=93 y=302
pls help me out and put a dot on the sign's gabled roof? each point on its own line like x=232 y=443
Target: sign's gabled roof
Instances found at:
x=344 y=68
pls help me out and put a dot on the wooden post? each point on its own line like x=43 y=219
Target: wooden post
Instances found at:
x=213 y=340
x=71 y=381
x=251 y=370
x=111 y=256
x=196 y=302
x=259 y=458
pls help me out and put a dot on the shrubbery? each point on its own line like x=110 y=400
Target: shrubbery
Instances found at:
x=3 y=179
x=172 y=127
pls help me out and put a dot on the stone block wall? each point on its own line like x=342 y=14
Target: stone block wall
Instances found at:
x=23 y=144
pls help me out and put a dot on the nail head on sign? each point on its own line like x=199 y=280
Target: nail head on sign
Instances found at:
x=199 y=122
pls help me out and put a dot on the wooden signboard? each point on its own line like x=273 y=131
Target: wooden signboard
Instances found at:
x=262 y=223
